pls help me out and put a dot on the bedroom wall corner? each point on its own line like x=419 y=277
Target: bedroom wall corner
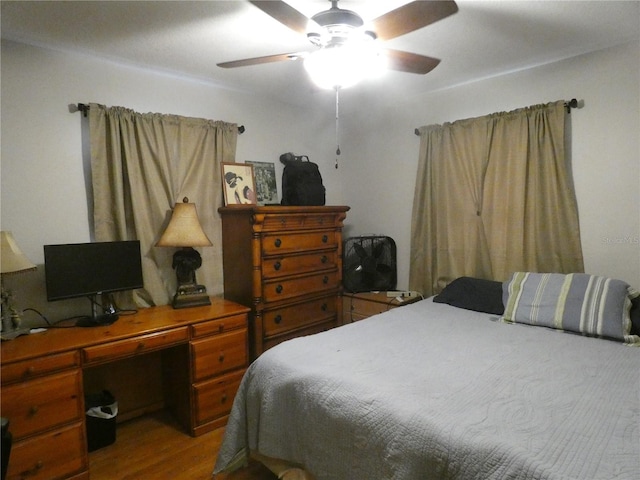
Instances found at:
x=379 y=178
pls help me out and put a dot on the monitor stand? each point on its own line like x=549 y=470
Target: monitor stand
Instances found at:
x=96 y=319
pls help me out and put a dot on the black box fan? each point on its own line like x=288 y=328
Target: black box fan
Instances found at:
x=369 y=264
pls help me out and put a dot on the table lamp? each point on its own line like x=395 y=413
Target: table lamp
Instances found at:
x=12 y=261
x=184 y=230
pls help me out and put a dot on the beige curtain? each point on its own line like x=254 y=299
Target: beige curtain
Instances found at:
x=493 y=195
x=142 y=164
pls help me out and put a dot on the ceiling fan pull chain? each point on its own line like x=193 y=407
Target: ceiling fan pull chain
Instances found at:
x=337 y=125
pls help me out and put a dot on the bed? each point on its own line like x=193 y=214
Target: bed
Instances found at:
x=435 y=391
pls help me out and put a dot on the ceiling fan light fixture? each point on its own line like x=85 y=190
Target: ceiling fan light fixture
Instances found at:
x=344 y=65
x=338 y=16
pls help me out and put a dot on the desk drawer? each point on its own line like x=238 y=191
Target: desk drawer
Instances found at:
x=43 y=403
x=55 y=454
x=218 y=354
x=219 y=326
x=274 y=244
x=298 y=286
x=214 y=398
x=135 y=346
x=295 y=316
x=35 y=367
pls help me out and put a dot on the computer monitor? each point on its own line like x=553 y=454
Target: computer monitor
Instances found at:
x=90 y=270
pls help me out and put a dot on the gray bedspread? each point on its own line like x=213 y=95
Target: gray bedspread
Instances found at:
x=430 y=391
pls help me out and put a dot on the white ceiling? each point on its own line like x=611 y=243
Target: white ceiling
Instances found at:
x=484 y=39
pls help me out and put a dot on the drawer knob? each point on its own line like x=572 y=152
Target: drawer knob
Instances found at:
x=140 y=346
x=325 y=239
x=277 y=265
x=278 y=319
x=223 y=399
x=279 y=289
x=324 y=259
x=221 y=328
x=221 y=357
x=325 y=279
x=33 y=410
x=34 y=470
x=324 y=307
x=277 y=243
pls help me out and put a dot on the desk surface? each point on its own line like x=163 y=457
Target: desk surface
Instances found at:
x=145 y=321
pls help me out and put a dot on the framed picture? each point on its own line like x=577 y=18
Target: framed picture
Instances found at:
x=266 y=187
x=238 y=184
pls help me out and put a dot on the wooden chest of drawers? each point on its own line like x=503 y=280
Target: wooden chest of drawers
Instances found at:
x=286 y=264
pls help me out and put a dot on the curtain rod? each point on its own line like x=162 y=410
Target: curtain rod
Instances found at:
x=573 y=103
x=84 y=108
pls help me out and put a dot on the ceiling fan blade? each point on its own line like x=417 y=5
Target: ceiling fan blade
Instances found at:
x=284 y=13
x=260 y=60
x=410 y=62
x=410 y=17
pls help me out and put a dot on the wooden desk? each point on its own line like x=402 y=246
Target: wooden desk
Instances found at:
x=204 y=355
x=358 y=306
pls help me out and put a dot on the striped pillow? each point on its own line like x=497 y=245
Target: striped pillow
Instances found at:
x=578 y=302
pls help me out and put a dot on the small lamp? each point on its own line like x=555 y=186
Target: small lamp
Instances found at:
x=184 y=230
x=12 y=261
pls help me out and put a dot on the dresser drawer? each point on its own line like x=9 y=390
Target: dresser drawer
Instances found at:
x=298 y=221
x=218 y=354
x=368 y=308
x=28 y=369
x=135 y=346
x=321 y=327
x=291 y=287
x=358 y=306
x=273 y=267
x=295 y=316
x=221 y=325
x=214 y=398
x=52 y=455
x=279 y=243
x=43 y=403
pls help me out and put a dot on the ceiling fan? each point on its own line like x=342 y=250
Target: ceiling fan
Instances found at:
x=334 y=29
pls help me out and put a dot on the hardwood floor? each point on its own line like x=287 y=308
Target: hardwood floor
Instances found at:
x=154 y=447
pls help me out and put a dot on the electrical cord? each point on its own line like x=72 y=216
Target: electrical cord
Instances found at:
x=49 y=324
x=38 y=313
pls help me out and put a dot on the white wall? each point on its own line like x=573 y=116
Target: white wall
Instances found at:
x=44 y=193
x=379 y=176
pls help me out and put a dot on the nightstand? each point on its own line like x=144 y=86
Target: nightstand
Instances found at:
x=358 y=306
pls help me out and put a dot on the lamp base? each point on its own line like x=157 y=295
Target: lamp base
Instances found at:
x=14 y=333
x=191 y=296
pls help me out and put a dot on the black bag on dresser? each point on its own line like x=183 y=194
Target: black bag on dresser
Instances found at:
x=301 y=181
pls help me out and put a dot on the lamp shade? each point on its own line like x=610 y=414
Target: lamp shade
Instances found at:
x=12 y=260
x=184 y=229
